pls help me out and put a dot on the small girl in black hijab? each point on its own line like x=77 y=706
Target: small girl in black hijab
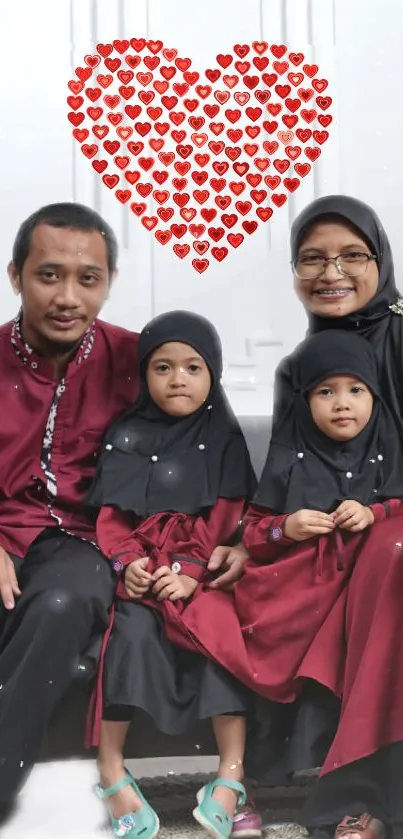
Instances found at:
x=172 y=483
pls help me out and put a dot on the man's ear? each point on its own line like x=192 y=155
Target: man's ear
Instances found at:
x=14 y=277
x=112 y=279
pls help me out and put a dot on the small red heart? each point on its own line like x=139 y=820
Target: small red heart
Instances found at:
x=80 y=134
x=100 y=165
x=163 y=236
x=201 y=247
x=200 y=264
x=182 y=251
x=302 y=169
x=138 y=44
x=75 y=119
x=138 y=209
x=249 y=226
x=278 y=50
x=235 y=239
x=310 y=70
x=104 y=49
x=219 y=253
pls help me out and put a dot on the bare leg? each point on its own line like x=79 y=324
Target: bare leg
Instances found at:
x=230 y=734
x=111 y=767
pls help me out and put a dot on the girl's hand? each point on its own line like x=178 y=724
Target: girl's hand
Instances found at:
x=171 y=586
x=137 y=579
x=353 y=516
x=307 y=523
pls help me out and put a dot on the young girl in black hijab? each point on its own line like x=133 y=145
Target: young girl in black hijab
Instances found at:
x=320 y=600
x=172 y=483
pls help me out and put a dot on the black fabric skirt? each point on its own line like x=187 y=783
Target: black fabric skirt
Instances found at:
x=143 y=669
x=284 y=739
x=372 y=785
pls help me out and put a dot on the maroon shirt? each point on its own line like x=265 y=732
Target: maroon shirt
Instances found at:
x=51 y=429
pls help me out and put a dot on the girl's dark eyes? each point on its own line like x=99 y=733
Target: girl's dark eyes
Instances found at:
x=162 y=368
x=325 y=391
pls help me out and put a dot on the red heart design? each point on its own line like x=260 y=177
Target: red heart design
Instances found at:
x=161 y=115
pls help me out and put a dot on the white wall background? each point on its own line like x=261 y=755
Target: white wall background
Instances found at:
x=357 y=44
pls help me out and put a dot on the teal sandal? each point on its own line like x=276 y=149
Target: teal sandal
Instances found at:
x=144 y=823
x=211 y=814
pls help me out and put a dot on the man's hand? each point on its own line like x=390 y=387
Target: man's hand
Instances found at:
x=307 y=523
x=231 y=562
x=170 y=586
x=353 y=516
x=137 y=579
x=9 y=588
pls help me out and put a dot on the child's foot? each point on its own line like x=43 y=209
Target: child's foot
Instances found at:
x=126 y=800
x=228 y=798
x=129 y=812
x=215 y=812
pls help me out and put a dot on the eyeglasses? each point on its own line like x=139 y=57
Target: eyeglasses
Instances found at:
x=313 y=266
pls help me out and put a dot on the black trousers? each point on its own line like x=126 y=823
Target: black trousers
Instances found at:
x=67 y=588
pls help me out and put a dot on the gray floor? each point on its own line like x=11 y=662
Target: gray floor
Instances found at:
x=58 y=800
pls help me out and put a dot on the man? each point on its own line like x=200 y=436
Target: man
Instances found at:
x=64 y=376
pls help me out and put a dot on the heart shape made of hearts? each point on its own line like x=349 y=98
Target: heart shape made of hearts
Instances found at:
x=201 y=160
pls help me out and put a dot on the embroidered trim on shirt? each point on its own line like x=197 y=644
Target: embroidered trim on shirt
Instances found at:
x=24 y=353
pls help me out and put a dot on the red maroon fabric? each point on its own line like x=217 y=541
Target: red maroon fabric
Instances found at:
x=327 y=609
x=166 y=538
x=372 y=674
x=97 y=390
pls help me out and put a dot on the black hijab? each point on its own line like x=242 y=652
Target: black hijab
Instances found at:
x=380 y=320
x=305 y=469
x=153 y=462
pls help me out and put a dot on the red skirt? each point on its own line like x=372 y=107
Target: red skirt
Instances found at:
x=328 y=610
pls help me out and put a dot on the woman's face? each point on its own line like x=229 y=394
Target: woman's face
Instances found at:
x=333 y=294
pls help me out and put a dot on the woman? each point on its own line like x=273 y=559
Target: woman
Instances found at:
x=344 y=276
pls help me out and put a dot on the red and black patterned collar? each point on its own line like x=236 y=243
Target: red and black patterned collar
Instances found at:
x=28 y=356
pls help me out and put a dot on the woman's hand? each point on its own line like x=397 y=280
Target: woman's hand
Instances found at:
x=230 y=561
x=171 y=586
x=353 y=516
x=307 y=523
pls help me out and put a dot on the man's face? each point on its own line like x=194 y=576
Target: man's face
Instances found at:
x=63 y=286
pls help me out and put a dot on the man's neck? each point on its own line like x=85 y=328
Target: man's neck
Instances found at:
x=58 y=356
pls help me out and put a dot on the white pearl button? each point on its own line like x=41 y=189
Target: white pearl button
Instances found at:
x=109 y=447
x=154 y=458
x=372 y=460
x=300 y=455
x=380 y=457
x=349 y=474
x=176 y=567
x=202 y=446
